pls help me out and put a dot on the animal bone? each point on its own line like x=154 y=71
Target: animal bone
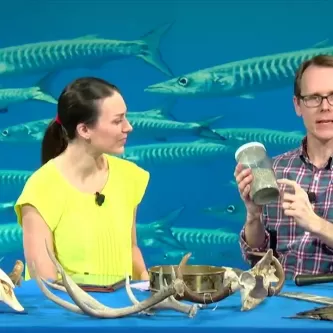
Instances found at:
x=217 y=296
x=85 y=304
x=169 y=303
x=265 y=263
x=16 y=274
x=7 y=294
x=255 y=284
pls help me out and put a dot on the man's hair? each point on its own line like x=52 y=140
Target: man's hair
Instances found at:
x=319 y=60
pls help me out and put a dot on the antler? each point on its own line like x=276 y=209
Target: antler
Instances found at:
x=16 y=274
x=169 y=303
x=85 y=304
x=192 y=296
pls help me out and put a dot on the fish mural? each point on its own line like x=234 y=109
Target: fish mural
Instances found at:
x=228 y=213
x=268 y=137
x=241 y=78
x=9 y=96
x=7 y=206
x=14 y=178
x=192 y=101
x=144 y=127
x=85 y=51
x=176 y=152
x=162 y=232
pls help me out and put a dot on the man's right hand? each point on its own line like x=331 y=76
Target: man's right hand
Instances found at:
x=244 y=179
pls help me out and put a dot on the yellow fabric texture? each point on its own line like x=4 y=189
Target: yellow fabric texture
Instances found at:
x=88 y=238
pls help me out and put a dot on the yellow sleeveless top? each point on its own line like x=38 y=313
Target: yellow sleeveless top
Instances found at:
x=88 y=238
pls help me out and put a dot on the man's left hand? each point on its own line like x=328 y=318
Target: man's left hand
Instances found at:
x=298 y=206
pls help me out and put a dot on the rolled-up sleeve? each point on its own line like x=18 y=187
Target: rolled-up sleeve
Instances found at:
x=245 y=247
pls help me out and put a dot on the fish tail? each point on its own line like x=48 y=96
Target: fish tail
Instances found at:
x=152 y=54
x=42 y=90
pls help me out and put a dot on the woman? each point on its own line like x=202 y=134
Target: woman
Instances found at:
x=82 y=201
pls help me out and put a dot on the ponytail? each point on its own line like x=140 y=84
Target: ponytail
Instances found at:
x=54 y=142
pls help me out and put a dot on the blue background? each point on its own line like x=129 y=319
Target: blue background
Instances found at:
x=203 y=34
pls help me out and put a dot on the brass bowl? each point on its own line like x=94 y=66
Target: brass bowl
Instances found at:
x=198 y=278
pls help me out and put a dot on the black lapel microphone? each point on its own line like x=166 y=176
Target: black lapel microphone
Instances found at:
x=99 y=198
x=312 y=197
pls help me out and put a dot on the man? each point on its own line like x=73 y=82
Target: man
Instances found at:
x=303 y=229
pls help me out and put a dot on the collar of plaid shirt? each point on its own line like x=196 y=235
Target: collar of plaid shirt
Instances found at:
x=298 y=251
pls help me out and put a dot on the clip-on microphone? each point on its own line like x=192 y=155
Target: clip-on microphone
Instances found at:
x=99 y=198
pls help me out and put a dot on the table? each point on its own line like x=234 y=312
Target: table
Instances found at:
x=45 y=316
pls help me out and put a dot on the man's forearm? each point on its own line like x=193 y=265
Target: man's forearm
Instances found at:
x=323 y=230
x=254 y=231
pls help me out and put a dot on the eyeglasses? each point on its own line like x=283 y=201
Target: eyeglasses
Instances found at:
x=313 y=101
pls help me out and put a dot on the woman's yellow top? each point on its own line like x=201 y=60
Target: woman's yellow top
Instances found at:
x=88 y=238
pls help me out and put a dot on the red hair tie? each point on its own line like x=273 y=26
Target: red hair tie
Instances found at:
x=57 y=120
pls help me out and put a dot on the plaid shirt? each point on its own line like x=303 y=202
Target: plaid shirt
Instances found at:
x=298 y=251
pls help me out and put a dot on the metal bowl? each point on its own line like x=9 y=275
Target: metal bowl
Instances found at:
x=199 y=278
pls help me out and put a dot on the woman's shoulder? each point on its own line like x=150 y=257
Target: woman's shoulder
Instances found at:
x=45 y=177
x=125 y=166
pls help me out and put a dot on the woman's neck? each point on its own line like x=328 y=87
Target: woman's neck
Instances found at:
x=82 y=163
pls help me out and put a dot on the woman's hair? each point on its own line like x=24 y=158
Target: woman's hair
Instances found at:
x=76 y=104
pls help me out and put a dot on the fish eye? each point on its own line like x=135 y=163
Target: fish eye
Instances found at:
x=231 y=208
x=4 y=132
x=183 y=81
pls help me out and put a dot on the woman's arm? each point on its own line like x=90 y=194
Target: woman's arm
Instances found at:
x=139 y=266
x=36 y=234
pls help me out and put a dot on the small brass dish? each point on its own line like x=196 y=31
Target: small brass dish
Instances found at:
x=199 y=278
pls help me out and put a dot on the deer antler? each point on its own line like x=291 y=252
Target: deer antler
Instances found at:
x=85 y=304
x=169 y=303
x=16 y=274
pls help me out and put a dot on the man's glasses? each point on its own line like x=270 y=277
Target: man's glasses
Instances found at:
x=313 y=101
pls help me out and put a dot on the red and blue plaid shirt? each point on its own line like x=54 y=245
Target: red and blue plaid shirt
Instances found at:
x=298 y=251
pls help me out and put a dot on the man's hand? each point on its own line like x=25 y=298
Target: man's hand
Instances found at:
x=298 y=206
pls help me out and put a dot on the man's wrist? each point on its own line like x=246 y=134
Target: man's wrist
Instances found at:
x=318 y=226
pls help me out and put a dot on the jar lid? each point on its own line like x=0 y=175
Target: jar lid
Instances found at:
x=248 y=145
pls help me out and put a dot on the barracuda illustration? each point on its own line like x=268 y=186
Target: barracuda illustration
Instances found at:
x=229 y=212
x=10 y=238
x=163 y=232
x=241 y=78
x=6 y=206
x=240 y=136
x=162 y=129
x=38 y=92
x=14 y=177
x=144 y=127
x=164 y=153
x=86 y=51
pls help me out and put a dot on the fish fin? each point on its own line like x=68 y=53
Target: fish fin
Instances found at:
x=6 y=68
x=247 y=96
x=152 y=54
x=87 y=37
x=163 y=232
x=42 y=92
x=4 y=110
x=164 y=110
x=322 y=43
x=206 y=132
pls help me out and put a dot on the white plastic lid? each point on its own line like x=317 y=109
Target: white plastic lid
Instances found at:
x=248 y=145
